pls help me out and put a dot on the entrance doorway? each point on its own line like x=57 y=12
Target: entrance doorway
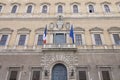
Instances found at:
x=59 y=72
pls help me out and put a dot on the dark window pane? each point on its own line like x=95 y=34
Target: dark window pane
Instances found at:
x=105 y=75
x=59 y=38
x=13 y=75
x=82 y=75
x=60 y=9
x=91 y=9
x=14 y=9
x=29 y=9
x=107 y=9
x=36 y=75
x=78 y=38
x=40 y=40
x=98 y=40
x=0 y=8
x=116 y=39
x=44 y=9
x=75 y=9
x=22 y=40
x=3 y=39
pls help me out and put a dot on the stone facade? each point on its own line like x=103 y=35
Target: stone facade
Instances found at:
x=88 y=56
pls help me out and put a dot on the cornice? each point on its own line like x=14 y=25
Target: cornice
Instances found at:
x=44 y=18
x=40 y=52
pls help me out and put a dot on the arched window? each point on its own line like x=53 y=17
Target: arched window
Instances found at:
x=29 y=9
x=44 y=9
x=106 y=8
x=14 y=9
x=75 y=9
x=91 y=9
x=1 y=8
x=60 y=9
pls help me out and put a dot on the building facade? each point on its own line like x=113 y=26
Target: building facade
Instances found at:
x=94 y=55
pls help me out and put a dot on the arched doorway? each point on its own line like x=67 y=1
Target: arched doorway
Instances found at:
x=59 y=72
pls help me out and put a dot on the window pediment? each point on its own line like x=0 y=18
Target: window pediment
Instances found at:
x=30 y=3
x=96 y=29
x=2 y=3
x=75 y=3
x=79 y=29
x=39 y=30
x=117 y=3
x=114 y=29
x=24 y=30
x=93 y=3
x=6 y=30
x=15 y=3
x=105 y=2
x=60 y=3
x=45 y=3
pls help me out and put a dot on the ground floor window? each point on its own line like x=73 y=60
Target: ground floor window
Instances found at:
x=36 y=73
x=82 y=73
x=13 y=73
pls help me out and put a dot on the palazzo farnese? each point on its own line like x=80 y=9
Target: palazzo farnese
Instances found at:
x=81 y=40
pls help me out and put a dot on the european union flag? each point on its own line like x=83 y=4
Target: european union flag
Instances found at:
x=72 y=33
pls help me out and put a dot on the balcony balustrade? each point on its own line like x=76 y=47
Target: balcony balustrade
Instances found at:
x=69 y=47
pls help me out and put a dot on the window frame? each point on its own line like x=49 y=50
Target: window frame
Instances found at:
x=83 y=39
x=62 y=8
x=18 y=69
x=2 y=8
x=101 y=42
x=26 y=41
x=27 y=8
x=47 y=8
x=65 y=36
x=83 y=68
x=112 y=38
x=7 y=41
x=36 y=69
x=16 y=8
x=104 y=10
x=89 y=8
x=101 y=35
x=72 y=8
x=104 y=68
x=36 y=39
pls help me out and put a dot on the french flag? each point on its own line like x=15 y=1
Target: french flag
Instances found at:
x=44 y=35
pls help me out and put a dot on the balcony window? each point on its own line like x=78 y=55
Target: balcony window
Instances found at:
x=59 y=38
x=22 y=40
x=98 y=40
x=14 y=9
x=40 y=40
x=116 y=38
x=3 y=40
x=78 y=38
x=60 y=9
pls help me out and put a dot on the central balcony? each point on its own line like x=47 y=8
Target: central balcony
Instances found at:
x=69 y=47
